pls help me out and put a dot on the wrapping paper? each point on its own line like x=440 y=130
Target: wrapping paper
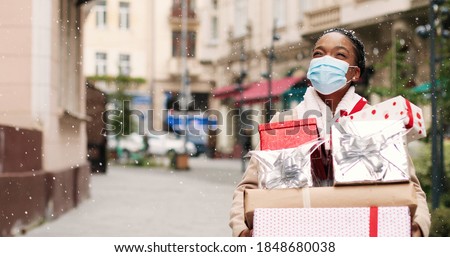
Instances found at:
x=397 y=108
x=291 y=134
x=287 y=134
x=332 y=222
x=286 y=168
x=402 y=194
x=369 y=152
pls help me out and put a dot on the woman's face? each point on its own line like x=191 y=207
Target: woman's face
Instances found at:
x=340 y=47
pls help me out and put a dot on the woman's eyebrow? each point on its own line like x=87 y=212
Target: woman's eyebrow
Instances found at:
x=342 y=47
x=318 y=48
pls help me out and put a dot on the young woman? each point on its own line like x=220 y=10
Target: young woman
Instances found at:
x=337 y=63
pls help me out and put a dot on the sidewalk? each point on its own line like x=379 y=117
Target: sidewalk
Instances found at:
x=134 y=201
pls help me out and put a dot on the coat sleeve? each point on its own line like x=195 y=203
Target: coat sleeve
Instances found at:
x=249 y=181
x=422 y=216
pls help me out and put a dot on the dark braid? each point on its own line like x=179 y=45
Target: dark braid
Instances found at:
x=357 y=43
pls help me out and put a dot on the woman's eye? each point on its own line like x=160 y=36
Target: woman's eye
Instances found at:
x=316 y=54
x=341 y=55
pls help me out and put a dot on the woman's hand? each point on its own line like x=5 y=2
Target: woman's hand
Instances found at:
x=415 y=230
x=246 y=233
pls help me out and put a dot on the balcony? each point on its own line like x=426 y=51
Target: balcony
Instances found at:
x=175 y=22
x=177 y=11
x=320 y=19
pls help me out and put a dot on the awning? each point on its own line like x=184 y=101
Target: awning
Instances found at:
x=228 y=91
x=425 y=87
x=259 y=91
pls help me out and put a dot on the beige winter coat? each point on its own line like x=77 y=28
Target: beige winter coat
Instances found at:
x=313 y=106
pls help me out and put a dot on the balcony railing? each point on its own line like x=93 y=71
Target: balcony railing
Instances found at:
x=177 y=12
x=321 y=19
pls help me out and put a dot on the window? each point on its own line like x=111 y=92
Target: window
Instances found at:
x=279 y=12
x=214 y=29
x=190 y=44
x=177 y=8
x=124 y=64
x=100 y=64
x=213 y=24
x=100 y=14
x=240 y=18
x=124 y=15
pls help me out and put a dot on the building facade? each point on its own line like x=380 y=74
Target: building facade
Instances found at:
x=143 y=39
x=43 y=167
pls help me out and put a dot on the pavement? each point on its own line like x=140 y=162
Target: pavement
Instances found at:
x=155 y=202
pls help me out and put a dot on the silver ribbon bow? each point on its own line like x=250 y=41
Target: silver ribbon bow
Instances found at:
x=355 y=149
x=289 y=171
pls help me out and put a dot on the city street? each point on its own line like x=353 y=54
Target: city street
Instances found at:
x=99 y=99
x=142 y=201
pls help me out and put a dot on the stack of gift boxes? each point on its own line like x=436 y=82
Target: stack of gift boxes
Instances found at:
x=371 y=194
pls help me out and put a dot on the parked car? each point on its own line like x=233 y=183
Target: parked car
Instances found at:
x=197 y=136
x=126 y=146
x=169 y=143
x=200 y=142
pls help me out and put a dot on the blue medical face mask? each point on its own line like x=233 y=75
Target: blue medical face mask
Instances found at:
x=327 y=74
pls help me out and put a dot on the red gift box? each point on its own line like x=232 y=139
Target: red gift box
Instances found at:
x=293 y=133
x=332 y=222
x=287 y=134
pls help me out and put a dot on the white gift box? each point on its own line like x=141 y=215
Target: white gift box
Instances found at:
x=396 y=108
x=332 y=222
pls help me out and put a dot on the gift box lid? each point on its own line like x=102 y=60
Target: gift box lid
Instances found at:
x=287 y=134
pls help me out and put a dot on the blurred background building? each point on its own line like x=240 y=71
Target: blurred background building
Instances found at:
x=252 y=55
x=43 y=167
x=237 y=50
x=142 y=39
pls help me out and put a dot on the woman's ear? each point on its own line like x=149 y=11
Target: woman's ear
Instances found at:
x=357 y=74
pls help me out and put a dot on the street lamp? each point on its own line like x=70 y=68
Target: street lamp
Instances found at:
x=270 y=58
x=185 y=94
x=429 y=31
x=240 y=80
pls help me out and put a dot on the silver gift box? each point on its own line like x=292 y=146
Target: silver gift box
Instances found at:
x=285 y=168
x=369 y=152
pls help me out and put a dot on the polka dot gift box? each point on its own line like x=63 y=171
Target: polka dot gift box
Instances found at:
x=332 y=222
x=397 y=108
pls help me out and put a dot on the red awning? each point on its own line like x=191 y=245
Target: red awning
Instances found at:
x=228 y=91
x=225 y=91
x=259 y=91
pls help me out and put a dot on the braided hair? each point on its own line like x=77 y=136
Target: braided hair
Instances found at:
x=357 y=43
